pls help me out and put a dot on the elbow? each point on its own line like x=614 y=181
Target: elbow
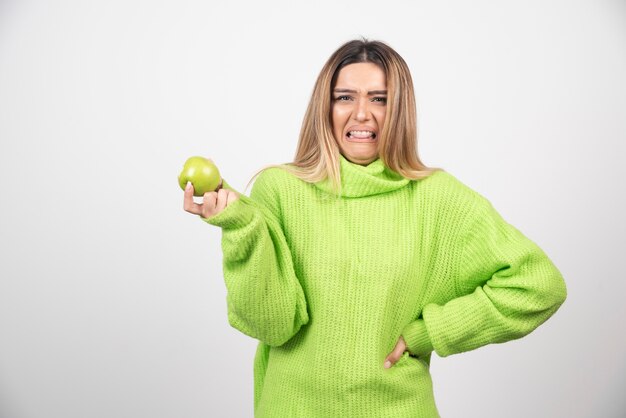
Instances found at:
x=551 y=290
x=289 y=330
x=276 y=340
x=272 y=333
x=553 y=287
x=282 y=328
x=559 y=289
x=552 y=294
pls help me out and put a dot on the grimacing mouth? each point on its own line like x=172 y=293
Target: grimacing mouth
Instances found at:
x=361 y=134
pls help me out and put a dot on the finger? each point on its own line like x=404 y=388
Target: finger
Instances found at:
x=232 y=196
x=209 y=200
x=188 y=204
x=222 y=198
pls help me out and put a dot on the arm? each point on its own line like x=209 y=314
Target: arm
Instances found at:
x=508 y=287
x=264 y=297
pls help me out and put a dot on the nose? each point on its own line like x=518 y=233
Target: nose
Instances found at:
x=362 y=112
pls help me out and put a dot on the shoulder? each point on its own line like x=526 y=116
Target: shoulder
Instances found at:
x=446 y=187
x=272 y=186
x=272 y=178
x=273 y=174
x=477 y=214
x=453 y=201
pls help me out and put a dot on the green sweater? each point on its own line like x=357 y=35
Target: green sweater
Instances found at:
x=328 y=285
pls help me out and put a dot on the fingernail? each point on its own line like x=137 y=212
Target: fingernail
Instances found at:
x=188 y=185
x=387 y=364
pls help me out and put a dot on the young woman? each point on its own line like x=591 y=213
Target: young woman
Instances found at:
x=354 y=262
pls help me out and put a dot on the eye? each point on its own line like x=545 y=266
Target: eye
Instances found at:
x=382 y=100
x=343 y=98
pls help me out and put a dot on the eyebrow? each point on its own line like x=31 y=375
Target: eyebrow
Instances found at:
x=354 y=91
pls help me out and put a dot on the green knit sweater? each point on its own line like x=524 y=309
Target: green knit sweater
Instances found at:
x=328 y=285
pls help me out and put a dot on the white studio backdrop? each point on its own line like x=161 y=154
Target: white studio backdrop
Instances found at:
x=112 y=302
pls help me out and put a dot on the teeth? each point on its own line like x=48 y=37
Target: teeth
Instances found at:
x=361 y=134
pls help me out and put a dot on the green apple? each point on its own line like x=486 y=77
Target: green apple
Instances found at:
x=202 y=174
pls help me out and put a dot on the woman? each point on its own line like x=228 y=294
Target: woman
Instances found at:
x=353 y=263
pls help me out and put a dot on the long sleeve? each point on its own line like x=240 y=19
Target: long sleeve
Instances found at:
x=264 y=297
x=507 y=287
x=388 y=255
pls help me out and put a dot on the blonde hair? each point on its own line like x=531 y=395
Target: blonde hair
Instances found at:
x=318 y=155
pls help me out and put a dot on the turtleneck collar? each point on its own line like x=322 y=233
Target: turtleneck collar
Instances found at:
x=364 y=180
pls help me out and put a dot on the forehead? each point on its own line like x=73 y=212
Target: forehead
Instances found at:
x=362 y=75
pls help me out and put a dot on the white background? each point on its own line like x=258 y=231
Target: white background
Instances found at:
x=112 y=302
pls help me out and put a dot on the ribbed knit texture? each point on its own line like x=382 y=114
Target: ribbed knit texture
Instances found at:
x=328 y=285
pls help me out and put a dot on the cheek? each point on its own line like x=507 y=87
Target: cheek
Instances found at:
x=380 y=117
x=339 y=120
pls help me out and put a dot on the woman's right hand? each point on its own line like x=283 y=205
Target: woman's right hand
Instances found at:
x=212 y=202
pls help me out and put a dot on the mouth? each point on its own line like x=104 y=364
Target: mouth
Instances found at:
x=361 y=136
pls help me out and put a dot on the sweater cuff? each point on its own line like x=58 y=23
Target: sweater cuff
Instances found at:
x=236 y=215
x=417 y=339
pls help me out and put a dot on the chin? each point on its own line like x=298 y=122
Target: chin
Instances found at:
x=362 y=160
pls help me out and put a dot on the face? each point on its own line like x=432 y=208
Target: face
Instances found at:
x=359 y=105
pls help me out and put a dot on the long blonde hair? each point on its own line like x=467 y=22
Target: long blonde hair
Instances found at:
x=318 y=155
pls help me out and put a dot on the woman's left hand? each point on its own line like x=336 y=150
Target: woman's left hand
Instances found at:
x=397 y=352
